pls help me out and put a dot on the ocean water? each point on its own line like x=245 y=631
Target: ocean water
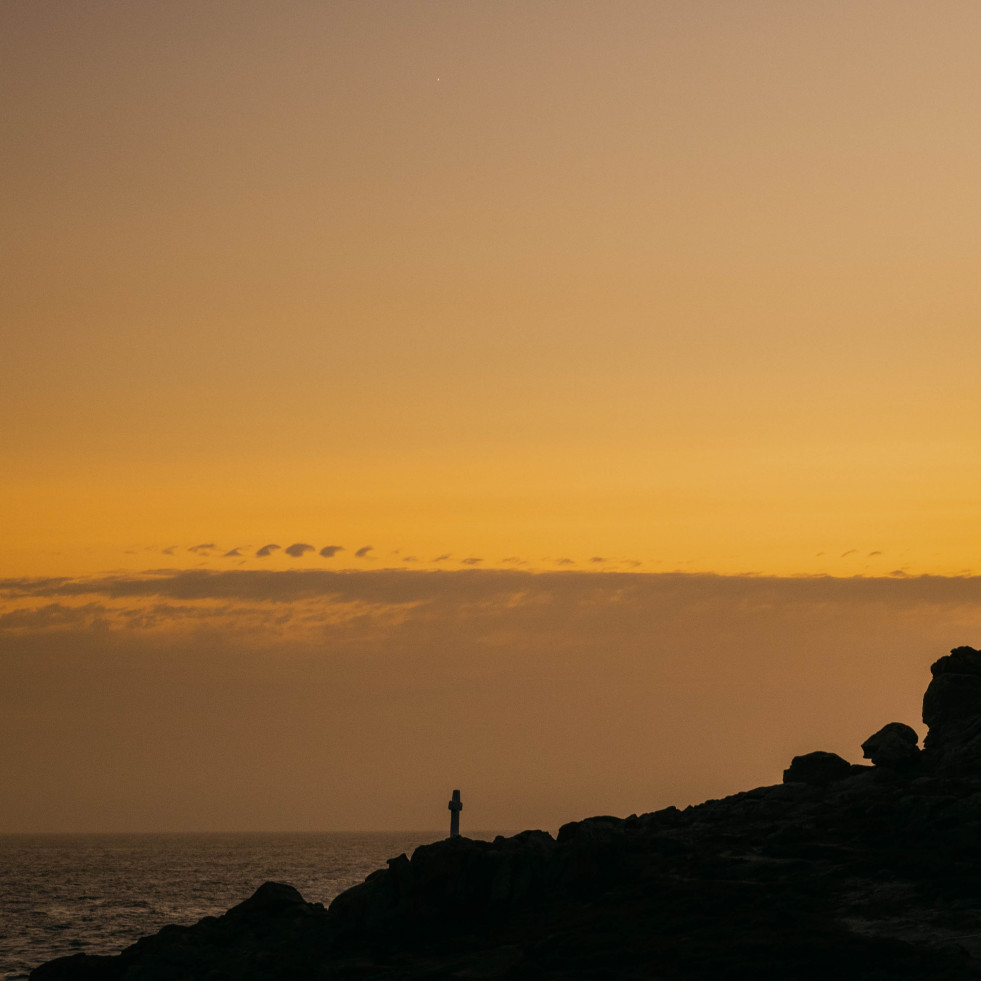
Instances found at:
x=62 y=894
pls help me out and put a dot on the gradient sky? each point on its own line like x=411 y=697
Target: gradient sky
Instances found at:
x=624 y=288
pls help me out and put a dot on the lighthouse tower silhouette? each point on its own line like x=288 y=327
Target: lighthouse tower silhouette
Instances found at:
x=455 y=806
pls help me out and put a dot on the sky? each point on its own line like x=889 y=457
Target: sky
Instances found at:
x=575 y=403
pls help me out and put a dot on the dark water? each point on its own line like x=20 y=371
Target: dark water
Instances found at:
x=61 y=894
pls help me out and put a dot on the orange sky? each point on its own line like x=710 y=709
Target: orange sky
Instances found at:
x=624 y=286
x=688 y=283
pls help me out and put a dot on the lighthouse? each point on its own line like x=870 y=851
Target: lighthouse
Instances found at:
x=455 y=806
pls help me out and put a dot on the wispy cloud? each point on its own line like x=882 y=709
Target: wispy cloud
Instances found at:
x=362 y=553
x=419 y=586
x=266 y=551
x=203 y=549
x=52 y=615
x=298 y=549
x=329 y=551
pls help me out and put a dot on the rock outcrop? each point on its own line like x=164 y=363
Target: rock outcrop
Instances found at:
x=851 y=872
x=817 y=768
x=952 y=710
x=893 y=745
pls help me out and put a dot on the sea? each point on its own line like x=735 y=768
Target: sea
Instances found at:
x=98 y=893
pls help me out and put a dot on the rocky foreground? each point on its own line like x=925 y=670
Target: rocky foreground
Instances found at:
x=840 y=871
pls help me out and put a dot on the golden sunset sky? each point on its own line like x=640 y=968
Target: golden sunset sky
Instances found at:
x=491 y=288
x=688 y=283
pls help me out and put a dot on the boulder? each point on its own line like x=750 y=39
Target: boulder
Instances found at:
x=952 y=710
x=818 y=768
x=894 y=745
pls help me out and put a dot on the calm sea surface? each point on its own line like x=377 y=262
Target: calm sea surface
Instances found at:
x=61 y=894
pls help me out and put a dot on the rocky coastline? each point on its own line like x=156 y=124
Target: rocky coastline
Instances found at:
x=855 y=871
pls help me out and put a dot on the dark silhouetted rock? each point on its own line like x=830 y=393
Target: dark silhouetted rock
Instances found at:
x=894 y=745
x=817 y=768
x=952 y=710
x=273 y=925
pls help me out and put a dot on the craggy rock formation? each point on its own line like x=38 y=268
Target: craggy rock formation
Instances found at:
x=951 y=710
x=894 y=745
x=817 y=768
x=847 y=872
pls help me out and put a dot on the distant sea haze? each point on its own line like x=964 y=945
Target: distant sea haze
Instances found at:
x=98 y=893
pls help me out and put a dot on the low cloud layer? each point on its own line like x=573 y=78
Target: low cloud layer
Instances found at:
x=399 y=585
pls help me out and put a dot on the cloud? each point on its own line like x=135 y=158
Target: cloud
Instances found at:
x=210 y=547
x=51 y=616
x=873 y=554
x=415 y=587
x=233 y=553
x=297 y=549
x=595 y=559
x=265 y=551
x=410 y=558
x=362 y=553
x=329 y=551
x=169 y=550
x=472 y=560
x=442 y=558
x=564 y=562
x=851 y=551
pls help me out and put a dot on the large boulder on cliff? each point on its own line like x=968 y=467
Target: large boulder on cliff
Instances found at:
x=952 y=710
x=818 y=769
x=894 y=745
